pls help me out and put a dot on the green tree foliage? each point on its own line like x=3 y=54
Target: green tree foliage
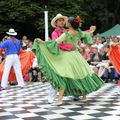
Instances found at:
x=105 y=13
x=16 y=13
x=20 y=14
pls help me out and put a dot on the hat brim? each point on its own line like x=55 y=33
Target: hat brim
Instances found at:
x=56 y=18
x=14 y=34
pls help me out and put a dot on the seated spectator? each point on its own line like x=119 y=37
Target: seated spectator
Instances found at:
x=95 y=59
x=108 y=72
x=98 y=43
x=102 y=40
x=107 y=42
x=35 y=73
x=85 y=53
x=104 y=52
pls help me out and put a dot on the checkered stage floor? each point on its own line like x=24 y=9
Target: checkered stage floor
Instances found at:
x=30 y=103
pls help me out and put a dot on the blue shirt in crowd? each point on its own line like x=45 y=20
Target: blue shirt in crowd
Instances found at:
x=12 y=47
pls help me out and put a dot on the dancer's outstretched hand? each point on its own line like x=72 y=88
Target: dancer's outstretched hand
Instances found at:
x=92 y=29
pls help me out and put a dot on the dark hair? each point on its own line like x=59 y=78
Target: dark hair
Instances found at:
x=74 y=24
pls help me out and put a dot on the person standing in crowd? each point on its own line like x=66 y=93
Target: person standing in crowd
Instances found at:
x=68 y=72
x=58 y=23
x=2 y=51
x=24 y=42
x=12 y=46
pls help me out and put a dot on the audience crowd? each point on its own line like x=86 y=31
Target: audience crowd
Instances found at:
x=96 y=55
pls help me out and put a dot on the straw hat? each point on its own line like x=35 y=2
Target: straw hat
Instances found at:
x=12 y=32
x=58 y=16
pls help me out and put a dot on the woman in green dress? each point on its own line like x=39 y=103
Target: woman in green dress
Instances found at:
x=66 y=70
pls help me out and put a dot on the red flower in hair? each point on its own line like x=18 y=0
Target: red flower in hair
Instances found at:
x=77 y=20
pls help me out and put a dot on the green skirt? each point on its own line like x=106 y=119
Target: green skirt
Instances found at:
x=66 y=70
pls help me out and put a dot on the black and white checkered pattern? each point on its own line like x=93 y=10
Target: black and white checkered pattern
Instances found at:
x=30 y=103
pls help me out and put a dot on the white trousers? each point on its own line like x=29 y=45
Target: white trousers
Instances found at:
x=12 y=60
x=52 y=94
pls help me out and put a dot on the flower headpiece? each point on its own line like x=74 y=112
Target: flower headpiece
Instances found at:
x=77 y=20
